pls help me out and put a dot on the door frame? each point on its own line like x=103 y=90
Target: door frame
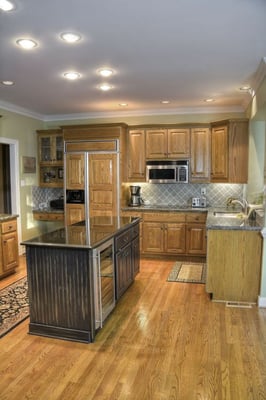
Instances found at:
x=14 y=180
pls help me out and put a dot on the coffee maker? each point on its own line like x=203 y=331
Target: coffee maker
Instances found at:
x=135 y=199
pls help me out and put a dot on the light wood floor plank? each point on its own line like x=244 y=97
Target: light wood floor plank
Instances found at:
x=165 y=340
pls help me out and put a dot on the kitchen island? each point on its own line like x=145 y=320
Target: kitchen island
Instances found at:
x=74 y=274
x=234 y=250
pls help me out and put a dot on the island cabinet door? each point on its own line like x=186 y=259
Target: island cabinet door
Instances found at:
x=124 y=273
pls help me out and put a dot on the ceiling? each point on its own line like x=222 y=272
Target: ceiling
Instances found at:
x=184 y=51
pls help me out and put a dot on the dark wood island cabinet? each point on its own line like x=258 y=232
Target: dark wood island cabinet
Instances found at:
x=75 y=273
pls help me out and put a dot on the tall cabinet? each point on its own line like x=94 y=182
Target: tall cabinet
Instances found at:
x=93 y=163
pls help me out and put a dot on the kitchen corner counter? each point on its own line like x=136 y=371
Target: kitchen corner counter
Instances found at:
x=230 y=223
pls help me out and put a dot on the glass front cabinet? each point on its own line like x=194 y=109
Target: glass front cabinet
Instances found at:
x=51 y=157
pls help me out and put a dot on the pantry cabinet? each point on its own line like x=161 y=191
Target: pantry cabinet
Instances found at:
x=229 y=151
x=167 y=143
x=8 y=247
x=51 y=160
x=74 y=213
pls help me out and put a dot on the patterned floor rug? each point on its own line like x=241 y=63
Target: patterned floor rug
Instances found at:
x=14 y=305
x=188 y=272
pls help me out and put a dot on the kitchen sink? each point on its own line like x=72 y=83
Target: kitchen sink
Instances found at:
x=229 y=214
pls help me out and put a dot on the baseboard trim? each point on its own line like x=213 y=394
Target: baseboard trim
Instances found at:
x=262 y=302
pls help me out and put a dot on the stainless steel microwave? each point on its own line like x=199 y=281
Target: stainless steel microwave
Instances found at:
x=167 y=171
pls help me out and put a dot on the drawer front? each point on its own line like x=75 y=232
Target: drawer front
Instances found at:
x=122 y=240
x=48 y=217
x=196 y=217
x=164 y=217
x=9 y=226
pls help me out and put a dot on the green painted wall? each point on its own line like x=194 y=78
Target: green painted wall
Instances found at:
x=23 y=129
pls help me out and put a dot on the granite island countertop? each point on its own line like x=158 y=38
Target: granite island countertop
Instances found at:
x=89 y=233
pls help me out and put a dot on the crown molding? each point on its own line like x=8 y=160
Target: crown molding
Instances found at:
x=119 y=114
x=20 y=110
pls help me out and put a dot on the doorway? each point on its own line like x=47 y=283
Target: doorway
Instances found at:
x=11 y=196
x=5 y=181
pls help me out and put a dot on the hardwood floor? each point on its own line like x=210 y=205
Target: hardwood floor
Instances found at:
x=164 y=340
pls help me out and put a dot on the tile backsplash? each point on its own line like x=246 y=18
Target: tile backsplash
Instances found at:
x=45 y=195
x=172 y=194
x=181 y=194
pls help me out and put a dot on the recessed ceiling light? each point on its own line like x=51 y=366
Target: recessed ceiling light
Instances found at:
x=123 y=104
x=26 y=44
x=245 y=88
x=70 y=37
x=165 y=102
x=106 y=72
x=6 y=5
x=7 y=83
x=71 y=75
x=210 y=100
x=105 y=87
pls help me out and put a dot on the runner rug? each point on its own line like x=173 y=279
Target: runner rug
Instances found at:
x=14 y=305
x=188 y=272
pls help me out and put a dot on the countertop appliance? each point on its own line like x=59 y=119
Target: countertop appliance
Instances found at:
x=200 y=202
x=167 y=171
x=135 y=199
x=57 y=204
x=104 y=282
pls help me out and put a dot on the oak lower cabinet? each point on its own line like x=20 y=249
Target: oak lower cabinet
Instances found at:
x=126 y=259
x=163 y=233
x=234 y=265
x=196 y=241
x=8 y=247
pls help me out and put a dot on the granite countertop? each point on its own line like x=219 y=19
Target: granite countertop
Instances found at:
x=213 y=222
x=231 y=223
x=47 y=210
x=7 y=217
x=165 y=207
x=89 y=233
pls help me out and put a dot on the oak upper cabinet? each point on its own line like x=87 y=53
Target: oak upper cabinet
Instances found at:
x=8 y=247
x=200 y=155
x=167 y=143
x=136 y=147
x=51 y=151
x=75 y=168
x=229 y=151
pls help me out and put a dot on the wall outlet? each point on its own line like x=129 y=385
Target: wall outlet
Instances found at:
x=203 y=191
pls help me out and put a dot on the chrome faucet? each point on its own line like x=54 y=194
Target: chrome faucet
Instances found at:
x=243 y=203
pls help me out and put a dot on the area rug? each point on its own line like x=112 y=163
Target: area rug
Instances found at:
x=14 y=305
x=188 y=272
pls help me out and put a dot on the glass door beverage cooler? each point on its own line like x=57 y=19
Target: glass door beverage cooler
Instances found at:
x=104 y=282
